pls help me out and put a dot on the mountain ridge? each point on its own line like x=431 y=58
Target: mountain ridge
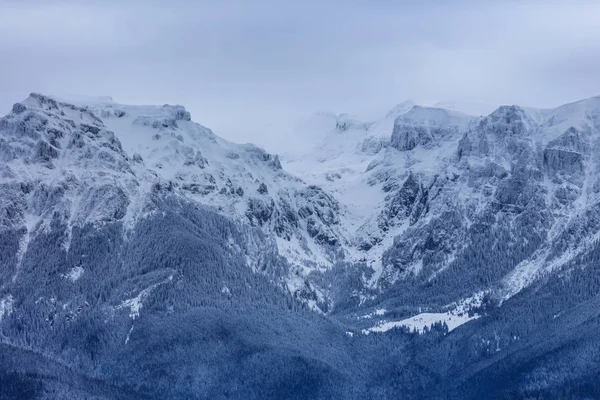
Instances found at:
x=427 y=139
x=119 y=222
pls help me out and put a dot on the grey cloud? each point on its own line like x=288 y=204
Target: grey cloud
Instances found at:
x=250 y=69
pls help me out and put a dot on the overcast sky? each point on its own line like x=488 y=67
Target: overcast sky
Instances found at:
x=250 y=69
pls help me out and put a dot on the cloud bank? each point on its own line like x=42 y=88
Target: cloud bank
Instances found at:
x=249 y=70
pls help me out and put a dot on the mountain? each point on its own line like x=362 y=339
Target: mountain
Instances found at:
x=422 y=196
x=432 y=253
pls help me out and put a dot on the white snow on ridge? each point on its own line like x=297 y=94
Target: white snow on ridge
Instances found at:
x=81 y=98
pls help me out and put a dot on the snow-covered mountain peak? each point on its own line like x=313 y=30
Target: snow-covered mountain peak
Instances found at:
x=400 y=109
x=427 y=126
x=582 y=115
x=509 y=120
x=436 y=169
x=46 y=132
x=95 y=162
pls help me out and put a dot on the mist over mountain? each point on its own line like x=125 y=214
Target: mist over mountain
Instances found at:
x=446 y=250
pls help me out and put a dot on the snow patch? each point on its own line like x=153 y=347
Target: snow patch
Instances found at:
x=378 y=312
x=6 y=306
x=135 y=304
x=74 y=274
x=457 y=316
x=129 y=334
x=423 y=321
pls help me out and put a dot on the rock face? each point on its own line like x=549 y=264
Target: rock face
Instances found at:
x=425 y=127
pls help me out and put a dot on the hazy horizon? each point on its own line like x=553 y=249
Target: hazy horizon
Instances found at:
x=250 y=72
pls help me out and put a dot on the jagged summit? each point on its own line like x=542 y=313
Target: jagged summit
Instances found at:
x=426 y=126
x=106 y=161
x=46 y=132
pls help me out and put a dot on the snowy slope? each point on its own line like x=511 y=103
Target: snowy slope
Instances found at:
x=422 y=191
x=360 y=164
x=94 y=160
x=437 y=205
